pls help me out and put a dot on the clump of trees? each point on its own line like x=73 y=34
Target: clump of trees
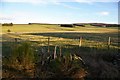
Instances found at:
x=7 y=24
x=67 y=25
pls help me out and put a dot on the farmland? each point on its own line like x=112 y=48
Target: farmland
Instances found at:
x=97 y=46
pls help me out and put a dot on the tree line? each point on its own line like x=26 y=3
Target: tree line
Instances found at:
x=7 y=24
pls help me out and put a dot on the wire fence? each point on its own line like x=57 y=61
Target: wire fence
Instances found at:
x=80 y=41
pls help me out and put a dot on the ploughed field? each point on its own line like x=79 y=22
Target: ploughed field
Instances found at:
x=51 y=51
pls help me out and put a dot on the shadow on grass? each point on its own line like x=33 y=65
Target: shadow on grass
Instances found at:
x=102 y=37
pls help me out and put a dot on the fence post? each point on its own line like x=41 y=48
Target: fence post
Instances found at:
x=15 y=39
x=55 y=56
x=48 y=44
x=109 y=42
x=80 y=42
x=60 y=51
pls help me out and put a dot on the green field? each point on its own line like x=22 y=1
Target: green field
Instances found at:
x=92 y=36
x=55 y=28
x=94 y=49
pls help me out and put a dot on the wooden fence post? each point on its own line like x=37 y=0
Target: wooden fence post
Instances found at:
x=16 y=40
x=80 y=42
x=60 y=51
x=55 y=56
x=109 y=42
x=48 y=44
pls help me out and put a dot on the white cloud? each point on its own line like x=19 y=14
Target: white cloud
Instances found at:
x=97 y=1
x=24 y=18
x=5 y=17
x=27 y=1
x=58 y=2
x=67 y=6
x=105 y=13
x=53 y=1
x=14 y=17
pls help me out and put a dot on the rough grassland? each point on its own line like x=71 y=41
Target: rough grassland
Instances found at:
x=95 y=52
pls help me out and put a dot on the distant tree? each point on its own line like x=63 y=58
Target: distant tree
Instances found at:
x=11 y=24
x=29 y=23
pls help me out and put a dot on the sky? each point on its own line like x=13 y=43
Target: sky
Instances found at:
x=58 y=11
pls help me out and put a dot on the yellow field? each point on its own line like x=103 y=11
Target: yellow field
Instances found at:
x=92 y=36
x=55 y=28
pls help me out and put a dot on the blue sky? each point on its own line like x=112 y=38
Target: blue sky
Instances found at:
x=55 y=11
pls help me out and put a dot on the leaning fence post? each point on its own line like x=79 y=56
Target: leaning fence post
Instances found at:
x=109 y=42
x=48 y=44
x=55 y=56
x=80 y=42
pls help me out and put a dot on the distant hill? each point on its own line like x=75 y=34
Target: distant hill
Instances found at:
x=79 y=24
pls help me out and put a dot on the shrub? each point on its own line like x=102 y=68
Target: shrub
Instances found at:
x=22 y=55
x=8 y=30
